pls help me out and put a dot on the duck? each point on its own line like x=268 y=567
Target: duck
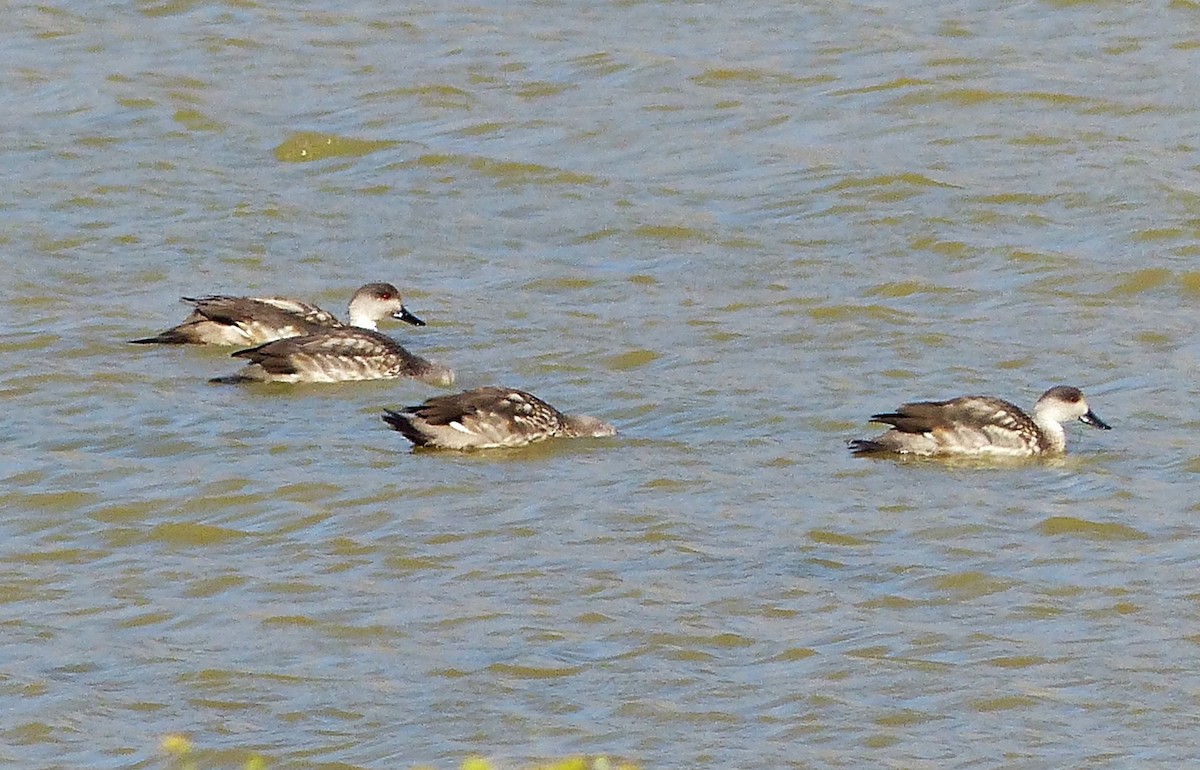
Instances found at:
x=223 y=320
x=336 y=355
x=982 y=426
x=489 y=418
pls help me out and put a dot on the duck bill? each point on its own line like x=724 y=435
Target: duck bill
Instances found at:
x=403 y=315
x=1091 y=419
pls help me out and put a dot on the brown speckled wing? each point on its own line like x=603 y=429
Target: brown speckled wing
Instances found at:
x=331 y=348
x=310 y=313
x=967 y=411
x=270 y=313
x=917 y=417
x=497 y=402
x=443 y=410
x=981 y=411
x=493 y=412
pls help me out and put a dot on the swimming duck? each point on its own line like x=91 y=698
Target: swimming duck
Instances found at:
x=491 y=417
x=336 y=355
x=981 y=426
x=222 y=320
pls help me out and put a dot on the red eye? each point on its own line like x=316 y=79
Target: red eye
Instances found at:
x=385 y=295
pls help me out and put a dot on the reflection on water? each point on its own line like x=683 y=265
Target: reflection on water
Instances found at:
x=734 y=232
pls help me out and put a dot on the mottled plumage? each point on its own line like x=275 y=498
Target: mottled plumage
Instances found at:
x=487 y=418
x=980 y=425
x=336 y=355
x=221 y=320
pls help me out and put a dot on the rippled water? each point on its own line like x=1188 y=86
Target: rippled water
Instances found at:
x=735 y=230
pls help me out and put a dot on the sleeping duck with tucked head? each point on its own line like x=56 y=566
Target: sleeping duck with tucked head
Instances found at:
x=336 y=355
x=490 y=418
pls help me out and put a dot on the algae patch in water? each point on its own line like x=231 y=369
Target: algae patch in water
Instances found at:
x=305 y=146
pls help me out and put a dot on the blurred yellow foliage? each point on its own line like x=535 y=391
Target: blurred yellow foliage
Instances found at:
x=180 y=750
x=176 y=745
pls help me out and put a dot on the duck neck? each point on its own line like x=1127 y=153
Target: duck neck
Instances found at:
x=1054 y=438
x=362 y=321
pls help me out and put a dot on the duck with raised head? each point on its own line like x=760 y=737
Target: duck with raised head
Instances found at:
x=489 y=418
x=981 y=426
x=224 y=320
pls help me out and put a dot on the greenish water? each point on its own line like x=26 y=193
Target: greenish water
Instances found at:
x=735 y=232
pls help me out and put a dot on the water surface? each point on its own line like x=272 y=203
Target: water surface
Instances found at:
x=733 y=231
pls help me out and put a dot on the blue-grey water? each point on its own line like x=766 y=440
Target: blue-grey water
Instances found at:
x=733 y=229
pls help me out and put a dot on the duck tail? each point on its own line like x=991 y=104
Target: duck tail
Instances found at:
x=169 y=337
x=402 y=422
x=865 y=446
